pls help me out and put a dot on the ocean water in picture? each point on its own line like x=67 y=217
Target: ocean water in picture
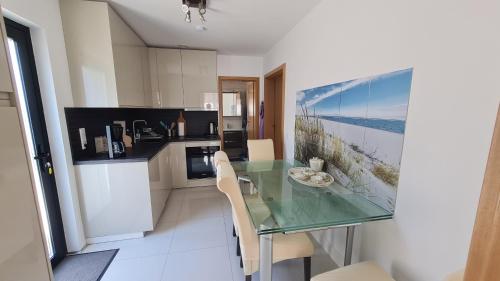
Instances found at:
x=358 y=128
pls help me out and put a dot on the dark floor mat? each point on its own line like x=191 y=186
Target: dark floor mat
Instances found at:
x=84 y=267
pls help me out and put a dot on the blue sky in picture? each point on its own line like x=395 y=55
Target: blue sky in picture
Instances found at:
x=379 y=97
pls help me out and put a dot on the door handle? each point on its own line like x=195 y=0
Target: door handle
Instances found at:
x=48 y=167
x=42 y=156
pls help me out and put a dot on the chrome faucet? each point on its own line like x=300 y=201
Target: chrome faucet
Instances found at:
x=137 y=135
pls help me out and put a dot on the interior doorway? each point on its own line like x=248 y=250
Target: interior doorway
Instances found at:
x=274 y=108
x=27 y=87
x=238 y=114
x=483 y=260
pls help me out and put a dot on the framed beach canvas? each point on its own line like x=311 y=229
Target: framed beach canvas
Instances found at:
x=358 y=128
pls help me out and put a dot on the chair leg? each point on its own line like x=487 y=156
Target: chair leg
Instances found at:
x=248 y=277
x=238 y=249
x=241 y=262
x=234 y=231
x=307 y=268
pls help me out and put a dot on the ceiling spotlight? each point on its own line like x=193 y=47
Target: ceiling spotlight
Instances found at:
x=201 y=5
x=202 y=10
x=185 y=7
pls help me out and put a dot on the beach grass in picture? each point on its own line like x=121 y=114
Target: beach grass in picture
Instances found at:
x=358 y=128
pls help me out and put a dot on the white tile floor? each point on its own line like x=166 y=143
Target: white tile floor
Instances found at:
x=193 y=241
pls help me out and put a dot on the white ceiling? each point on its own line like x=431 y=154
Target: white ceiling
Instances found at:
x=240 y=27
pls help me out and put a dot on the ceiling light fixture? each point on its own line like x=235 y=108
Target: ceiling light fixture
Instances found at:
x=201 y=5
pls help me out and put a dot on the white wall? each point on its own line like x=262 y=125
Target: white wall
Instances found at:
x=454 y=49
x=43 y=18
x=246 y=66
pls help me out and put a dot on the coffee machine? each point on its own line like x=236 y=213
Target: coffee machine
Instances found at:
x=116 y=146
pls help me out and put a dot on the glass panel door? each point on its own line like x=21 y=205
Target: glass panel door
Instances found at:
x=27 y=88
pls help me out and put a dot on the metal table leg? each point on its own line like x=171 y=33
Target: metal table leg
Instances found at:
x=266 y=257
x=348 y=245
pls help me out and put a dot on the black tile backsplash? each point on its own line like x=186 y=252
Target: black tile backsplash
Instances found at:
x=94 y=120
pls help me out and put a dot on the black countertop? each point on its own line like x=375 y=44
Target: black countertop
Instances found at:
x=140 y=152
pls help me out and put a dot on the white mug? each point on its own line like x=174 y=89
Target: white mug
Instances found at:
x=316 y=164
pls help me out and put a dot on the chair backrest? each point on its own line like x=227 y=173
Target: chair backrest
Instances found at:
x=220 y=156
x=228 y=184
x=260 y=150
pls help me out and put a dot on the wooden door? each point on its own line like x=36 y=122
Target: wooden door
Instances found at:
x=252 y=112
x=274 y=86
x=278 y=117
x=484 y=255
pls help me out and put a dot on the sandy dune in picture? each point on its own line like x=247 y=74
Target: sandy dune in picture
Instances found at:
x=358 y=128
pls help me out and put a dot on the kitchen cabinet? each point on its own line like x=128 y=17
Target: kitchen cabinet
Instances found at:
x=130 y=75
x=160 y=182
x=115 y=200
x=167 y=78
x=199 y=76
x=178 y=164
x=108 y=61
x=123 y=200
x=183 y=78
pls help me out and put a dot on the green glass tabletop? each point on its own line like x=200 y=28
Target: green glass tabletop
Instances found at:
x=278 y=204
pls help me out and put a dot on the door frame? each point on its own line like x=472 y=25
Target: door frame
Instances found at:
x=269 y=89
x=483 y=260
x=256 y=104
x=34 y=101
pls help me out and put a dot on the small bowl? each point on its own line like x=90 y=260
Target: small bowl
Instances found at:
x=316 y=164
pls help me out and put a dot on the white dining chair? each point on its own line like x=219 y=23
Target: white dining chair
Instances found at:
x=285 y=247
x=260 y=150
x=364 y=271
x=220 y=156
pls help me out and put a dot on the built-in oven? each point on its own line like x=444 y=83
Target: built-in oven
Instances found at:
x=200 y=160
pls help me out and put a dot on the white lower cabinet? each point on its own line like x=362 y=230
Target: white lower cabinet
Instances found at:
x=115 y=200
x=178 y=164
x=123 y=200
x=160 y=182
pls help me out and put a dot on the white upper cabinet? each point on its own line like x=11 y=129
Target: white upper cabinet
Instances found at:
x=169 y=78
x=129 y=75
x=199 y=76
x=129 y=59
x=5 y=80
x=107 y=60
x=183 y=78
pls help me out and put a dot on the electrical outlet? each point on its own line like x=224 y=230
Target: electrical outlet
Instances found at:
x=83 y=138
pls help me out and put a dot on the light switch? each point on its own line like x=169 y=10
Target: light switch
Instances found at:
x=83 y=138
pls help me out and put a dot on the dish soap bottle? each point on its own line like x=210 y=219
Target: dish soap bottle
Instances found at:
x=181 y=123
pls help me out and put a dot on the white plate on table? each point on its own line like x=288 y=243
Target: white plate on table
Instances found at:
x=307 y=176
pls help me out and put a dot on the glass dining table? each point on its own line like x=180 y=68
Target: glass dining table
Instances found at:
x=277 y=203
